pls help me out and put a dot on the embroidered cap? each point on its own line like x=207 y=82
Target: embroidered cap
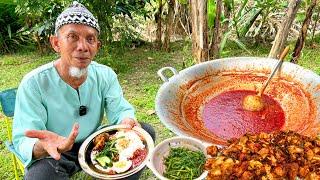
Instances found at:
x=76 y=13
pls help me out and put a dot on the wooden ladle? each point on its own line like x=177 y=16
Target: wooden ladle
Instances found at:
x=255 y=102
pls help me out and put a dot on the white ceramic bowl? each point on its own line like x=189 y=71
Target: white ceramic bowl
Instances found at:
x=87 y=146
x=156 y=162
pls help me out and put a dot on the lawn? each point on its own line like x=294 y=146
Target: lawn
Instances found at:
x=136 y=69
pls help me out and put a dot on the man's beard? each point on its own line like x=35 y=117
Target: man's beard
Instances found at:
x=77 y=72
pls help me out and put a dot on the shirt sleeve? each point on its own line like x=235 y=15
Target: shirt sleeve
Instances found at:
x=116 y=106
x=30 y=114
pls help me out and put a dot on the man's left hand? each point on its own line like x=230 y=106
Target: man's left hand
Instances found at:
x=130 y=122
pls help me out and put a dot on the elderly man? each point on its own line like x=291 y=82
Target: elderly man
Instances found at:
x=61 y=103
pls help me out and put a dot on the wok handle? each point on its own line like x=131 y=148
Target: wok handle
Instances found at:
x=161 y=73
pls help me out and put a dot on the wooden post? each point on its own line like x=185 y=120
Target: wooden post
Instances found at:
x=284 y=29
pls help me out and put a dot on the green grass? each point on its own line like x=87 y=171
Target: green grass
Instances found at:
x=136 y=69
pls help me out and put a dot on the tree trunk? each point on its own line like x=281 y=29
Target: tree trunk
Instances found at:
x=227 y=15
x=315 y=25
x=182 y=25
x=169 y=26
x=303 y=33
x=215 y=46
x=199 y=23
x=158 y=19
x=283 y=31
x=39 y=43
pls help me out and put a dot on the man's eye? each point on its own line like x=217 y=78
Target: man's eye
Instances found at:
x=91 y=40
x=73 y=37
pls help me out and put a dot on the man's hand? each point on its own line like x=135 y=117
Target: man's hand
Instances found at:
x=130 y=122
x=51 y=143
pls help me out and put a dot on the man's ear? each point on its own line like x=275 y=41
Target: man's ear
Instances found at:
x=55 y=43
x=99 y=44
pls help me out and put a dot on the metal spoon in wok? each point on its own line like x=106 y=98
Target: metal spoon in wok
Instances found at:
x=255 y=102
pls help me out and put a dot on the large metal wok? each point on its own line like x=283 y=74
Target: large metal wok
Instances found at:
x=180 y=100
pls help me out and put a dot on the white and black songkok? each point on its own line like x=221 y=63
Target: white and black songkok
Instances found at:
x=76 y=13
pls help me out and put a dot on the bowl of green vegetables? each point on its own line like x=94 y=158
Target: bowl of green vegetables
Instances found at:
x=179 y=158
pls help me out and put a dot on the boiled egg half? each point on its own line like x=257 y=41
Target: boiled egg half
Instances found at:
x=121 y=166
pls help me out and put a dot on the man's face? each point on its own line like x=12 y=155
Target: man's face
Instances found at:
x=77 y=44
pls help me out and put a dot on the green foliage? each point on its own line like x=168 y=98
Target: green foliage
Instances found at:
x=111 y=56
x=254 y=15
x=252 y=19
x=228 y=4
x=183 y=1
x=12 y=36
x=40 y=16
x=238 y=14
x=238 y=11
x=211 y=13
x=263 y=18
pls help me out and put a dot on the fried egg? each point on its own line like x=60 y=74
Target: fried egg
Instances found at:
x=127 y=143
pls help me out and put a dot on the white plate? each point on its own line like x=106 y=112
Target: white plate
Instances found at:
x=87 y=146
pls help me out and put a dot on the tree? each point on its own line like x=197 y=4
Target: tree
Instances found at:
x=199 y=23
x=315 y=25
x=303 y=33
x=169 y=25
x=215 y=45
x=283 y=32
x=158 y=19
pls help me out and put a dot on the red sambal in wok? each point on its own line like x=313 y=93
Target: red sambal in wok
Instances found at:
x=225 y=116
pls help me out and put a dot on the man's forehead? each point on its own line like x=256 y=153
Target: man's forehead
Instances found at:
x=78 y=28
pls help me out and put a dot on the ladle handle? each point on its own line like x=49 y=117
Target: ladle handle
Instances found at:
x=284 y=53
x=282 y=56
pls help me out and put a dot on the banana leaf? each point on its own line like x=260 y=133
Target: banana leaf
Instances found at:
x=211 y=13
x=245 y=28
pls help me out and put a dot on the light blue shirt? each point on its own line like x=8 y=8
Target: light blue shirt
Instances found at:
x=45 y=102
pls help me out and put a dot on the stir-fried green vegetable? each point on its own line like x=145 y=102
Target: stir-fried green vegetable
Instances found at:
x=109 y=149
x=183 y=163
x=108 y=154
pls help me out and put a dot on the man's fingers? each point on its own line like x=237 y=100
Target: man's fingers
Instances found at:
x=71 y=139
x=74 y=132
x=53 y=152
x=35 y=134
x=130 y=122
x=138 y=124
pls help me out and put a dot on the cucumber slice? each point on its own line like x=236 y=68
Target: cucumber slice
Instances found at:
x=104 y=160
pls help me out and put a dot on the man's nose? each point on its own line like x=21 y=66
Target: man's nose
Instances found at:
x=82 y=45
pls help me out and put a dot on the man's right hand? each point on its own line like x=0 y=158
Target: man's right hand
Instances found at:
x=51 y=143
